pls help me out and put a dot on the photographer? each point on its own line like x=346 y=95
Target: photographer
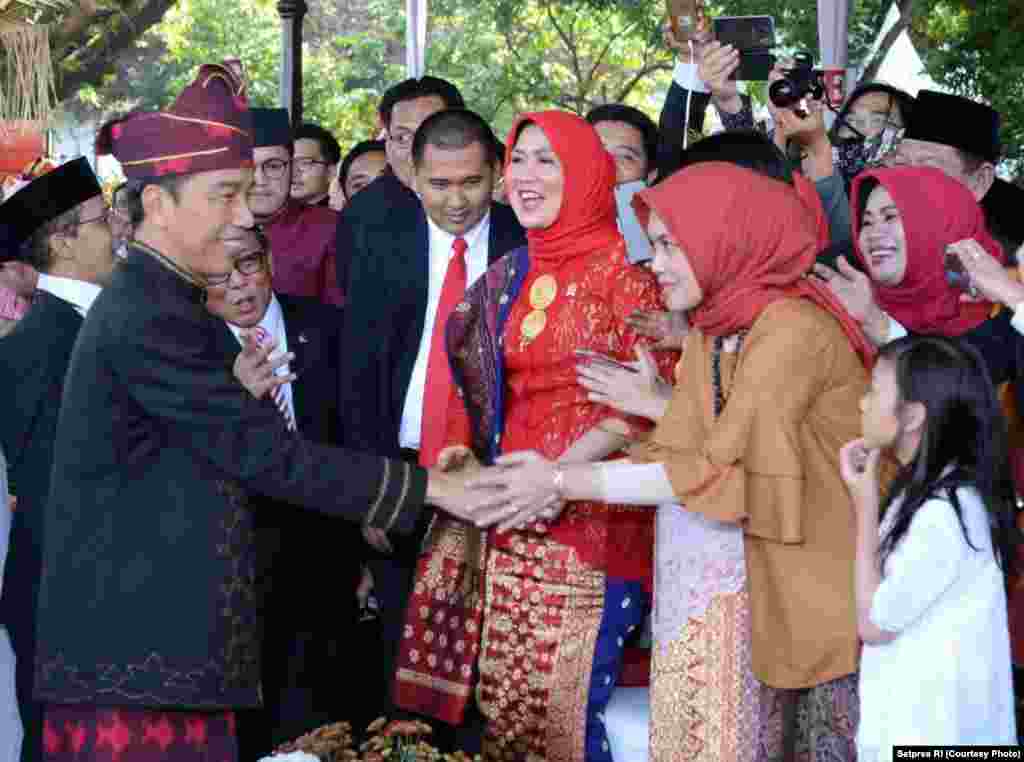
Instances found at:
x=857 y=136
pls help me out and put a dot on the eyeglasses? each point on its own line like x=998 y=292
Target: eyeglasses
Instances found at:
x=250 y=264
x=104 y=218
x=402 y=137
x=867 y=124
x=273 y=169
x=306 y=165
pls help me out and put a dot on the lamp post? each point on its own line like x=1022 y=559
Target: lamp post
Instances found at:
x=292 y=13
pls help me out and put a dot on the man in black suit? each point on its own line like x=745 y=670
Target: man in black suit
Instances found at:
x=304 y=633
x=396 y=286
x=56 y=224
x=148 y=611
x=402 y=110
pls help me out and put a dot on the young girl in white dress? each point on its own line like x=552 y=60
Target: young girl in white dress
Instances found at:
x=10 y=721
x=931 y=599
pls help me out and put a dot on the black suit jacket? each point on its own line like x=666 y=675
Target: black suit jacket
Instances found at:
x=147 y=595
x=384 y=315
x=300 y=551
x=34 y=360
x=299 y=545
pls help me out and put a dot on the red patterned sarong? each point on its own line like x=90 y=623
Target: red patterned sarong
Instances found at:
x=73 y=733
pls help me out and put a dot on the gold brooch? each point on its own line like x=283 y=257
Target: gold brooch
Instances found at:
x=542 y=295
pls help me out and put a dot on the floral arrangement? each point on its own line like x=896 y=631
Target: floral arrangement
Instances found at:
x=395 y=741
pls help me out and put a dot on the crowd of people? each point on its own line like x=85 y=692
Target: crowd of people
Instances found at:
x=430 y=430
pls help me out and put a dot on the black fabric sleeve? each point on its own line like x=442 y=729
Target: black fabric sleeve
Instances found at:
x=171 y=371
x=672 y=125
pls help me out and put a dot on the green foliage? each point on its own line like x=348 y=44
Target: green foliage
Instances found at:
x=510 y=56
x=974 y=48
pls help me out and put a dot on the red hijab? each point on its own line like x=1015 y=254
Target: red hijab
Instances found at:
x=935 y=210
x=750 y=240
x=586 y=221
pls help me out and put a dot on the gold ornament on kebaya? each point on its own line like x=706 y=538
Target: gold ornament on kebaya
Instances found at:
x=542 y=295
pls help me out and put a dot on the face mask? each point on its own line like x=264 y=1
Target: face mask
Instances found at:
x=852 y=156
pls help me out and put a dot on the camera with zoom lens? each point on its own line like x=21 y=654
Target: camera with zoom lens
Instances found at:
x=801 y=81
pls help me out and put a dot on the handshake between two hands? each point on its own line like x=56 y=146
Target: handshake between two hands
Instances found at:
x=519 y=489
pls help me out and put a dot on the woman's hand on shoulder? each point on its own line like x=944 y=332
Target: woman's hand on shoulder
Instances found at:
x=854 y=291
x=633 y=388
x=668 y=329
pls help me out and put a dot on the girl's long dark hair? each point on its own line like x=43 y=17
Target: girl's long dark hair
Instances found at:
x=964 y=428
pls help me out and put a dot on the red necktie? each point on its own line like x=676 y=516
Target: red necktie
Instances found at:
x=438 y=390
x=277 y=394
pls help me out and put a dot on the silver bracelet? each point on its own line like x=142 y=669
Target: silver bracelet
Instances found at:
x=558 y=481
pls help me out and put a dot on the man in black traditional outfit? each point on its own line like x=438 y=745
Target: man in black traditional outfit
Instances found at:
x=148 y=620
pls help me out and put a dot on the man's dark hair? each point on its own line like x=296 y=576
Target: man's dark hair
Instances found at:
x=36 y=251
x=359 y=149
x=329 y=148
x=618 y=112
x=745 y=148
x=129 y=195
x=454 y=129
x=411 y=89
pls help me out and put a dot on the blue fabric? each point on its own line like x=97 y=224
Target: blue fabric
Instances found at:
x=625 y=606
x=521 y=261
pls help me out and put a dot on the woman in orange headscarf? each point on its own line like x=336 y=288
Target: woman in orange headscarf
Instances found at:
x=754 y=604
x=546 y=607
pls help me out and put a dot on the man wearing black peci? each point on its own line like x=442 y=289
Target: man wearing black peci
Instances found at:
x=58 y=226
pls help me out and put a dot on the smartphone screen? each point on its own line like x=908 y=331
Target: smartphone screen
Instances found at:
x=746 y=33
x=754 y=38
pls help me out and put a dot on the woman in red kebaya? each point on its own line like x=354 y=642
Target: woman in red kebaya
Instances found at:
x=543 y=610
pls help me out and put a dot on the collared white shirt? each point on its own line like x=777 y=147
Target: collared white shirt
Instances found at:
x=273 y=323
x=440 y=255
x=77 y=293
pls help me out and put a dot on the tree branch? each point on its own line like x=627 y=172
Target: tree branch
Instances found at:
x=604 y=51
x=569 y=45
x=635 y=80
x=88 y=63
x=902 y=23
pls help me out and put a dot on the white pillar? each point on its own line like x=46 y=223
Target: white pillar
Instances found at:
x=833 y=31
x=415 y=37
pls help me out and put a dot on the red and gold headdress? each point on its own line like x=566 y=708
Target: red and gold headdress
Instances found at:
x=208 y=127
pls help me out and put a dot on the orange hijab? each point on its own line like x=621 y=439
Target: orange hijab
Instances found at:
x=750 y=240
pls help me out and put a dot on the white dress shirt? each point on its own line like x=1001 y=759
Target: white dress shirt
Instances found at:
x=273 y=323
x=77 y=293
x=440 y=254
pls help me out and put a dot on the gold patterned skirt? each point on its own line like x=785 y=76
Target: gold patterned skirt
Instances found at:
x=706 y=704
x=543 y=610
